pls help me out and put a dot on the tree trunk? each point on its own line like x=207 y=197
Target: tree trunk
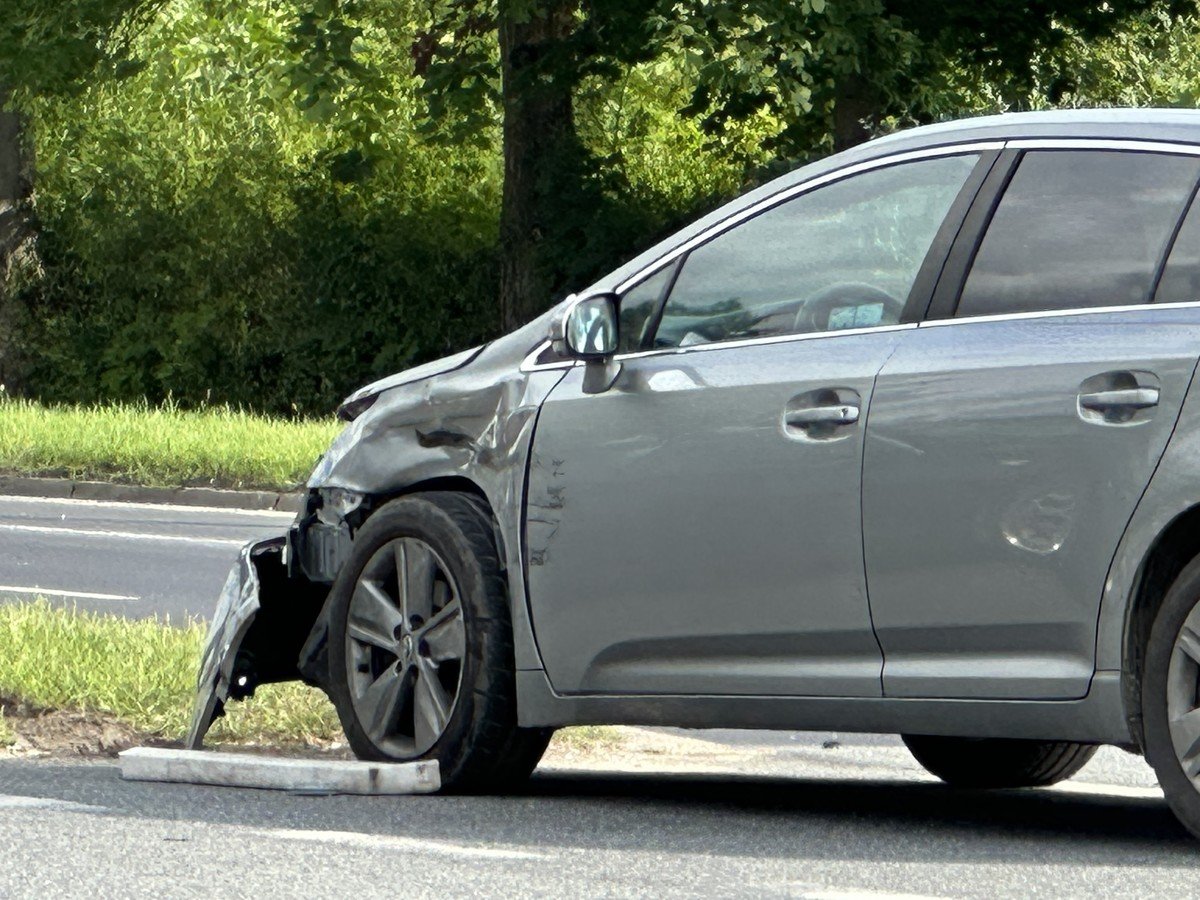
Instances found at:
x=540 y=148
x=854 y=112
x=17 y=225
x=16 y=187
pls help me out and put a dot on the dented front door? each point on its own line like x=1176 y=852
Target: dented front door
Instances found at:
x=695 y=529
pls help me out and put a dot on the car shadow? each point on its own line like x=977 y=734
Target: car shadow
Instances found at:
x=750 y=816
x=1030 y=825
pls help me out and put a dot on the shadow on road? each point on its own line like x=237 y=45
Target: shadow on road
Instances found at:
x=721 y=815
x=1034 y=824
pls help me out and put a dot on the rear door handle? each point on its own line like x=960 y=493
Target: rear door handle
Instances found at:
x=844 y=414
x=1125 y=398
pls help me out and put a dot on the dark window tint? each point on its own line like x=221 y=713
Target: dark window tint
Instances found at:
x=638 y=305
x=1078 y=228
x=1181 y=278
x=840 y=256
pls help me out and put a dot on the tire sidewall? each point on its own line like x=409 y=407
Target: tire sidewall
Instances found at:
x=416 y=518
x=1179 y=602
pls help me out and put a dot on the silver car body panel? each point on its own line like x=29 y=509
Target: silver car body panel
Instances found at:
x=472 y=417
x=993 y=503
x=685 y=539
x=474 y=423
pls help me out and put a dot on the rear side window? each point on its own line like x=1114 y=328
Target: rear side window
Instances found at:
x=1078 y=228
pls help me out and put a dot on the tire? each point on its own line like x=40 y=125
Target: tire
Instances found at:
x=394 y=701
x=998 y=762
x=1168 y=667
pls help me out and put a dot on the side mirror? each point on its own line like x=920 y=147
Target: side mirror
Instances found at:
x=591 y=327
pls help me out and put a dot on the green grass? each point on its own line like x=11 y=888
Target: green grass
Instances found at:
x=160 y=446
x=588 y=738
x=144 y=673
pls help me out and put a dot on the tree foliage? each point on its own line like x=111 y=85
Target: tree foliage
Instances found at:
x=281 y=199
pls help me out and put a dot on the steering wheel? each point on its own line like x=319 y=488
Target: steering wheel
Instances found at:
x=814 y=314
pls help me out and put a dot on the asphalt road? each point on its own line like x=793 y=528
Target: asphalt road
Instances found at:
x=788 y=818
x=131 y=559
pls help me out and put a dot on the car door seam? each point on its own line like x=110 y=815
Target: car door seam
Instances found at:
x=862 y=508
x=523 y=525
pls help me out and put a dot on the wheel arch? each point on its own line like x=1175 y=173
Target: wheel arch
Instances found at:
x=1177 y=544
x=456 y=484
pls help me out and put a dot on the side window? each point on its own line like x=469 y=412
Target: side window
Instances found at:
x=637 y=308
x=1181 y=278
x=1076 y=229
x=841 y=256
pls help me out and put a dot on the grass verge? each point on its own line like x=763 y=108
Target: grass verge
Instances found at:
x=143 y=673
x=160 y=446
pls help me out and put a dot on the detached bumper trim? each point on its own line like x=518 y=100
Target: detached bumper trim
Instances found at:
x=235 y=613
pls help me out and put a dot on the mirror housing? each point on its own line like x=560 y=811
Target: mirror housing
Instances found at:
x=590 y=329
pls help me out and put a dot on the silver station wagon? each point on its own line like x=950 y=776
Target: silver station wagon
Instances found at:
x=905 y=441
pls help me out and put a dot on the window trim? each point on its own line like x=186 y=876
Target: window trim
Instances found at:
x=1060 y=313
x=948 y=293
x=932 y=316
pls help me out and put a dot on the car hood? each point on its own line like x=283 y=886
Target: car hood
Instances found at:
x=417 y=373
x=462 y=399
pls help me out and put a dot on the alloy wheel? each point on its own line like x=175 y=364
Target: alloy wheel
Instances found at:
x=1183 y=696
x=405 y=647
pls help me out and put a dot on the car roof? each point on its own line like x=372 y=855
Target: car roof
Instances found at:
x=1162 y=125
x=1173 y=125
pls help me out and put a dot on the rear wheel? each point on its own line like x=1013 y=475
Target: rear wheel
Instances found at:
x=1171 y=697
x=998 y=762
x=420 y=645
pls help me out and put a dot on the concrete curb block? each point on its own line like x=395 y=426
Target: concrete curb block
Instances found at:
x=67 y=489
x=277 y=773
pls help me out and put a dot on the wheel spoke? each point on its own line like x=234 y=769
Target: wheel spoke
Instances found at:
x=415 y=568
x=1189 y=642
x=1185 y=735
x=431 y=706
x=378 y=706
x=445 y=635
x=373 y=617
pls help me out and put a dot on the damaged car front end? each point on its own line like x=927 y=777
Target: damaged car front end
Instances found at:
x=462 y=423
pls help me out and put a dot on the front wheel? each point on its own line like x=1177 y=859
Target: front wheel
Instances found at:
x=420 y=645
x=998 y=762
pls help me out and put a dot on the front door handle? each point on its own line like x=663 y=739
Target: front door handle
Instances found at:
x=1124 y=398
x=844 y=414
x=824 y=414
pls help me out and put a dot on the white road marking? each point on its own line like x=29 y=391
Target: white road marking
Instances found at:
x=860 y=894
x=123 y=535
x=12 y=801
x=390 y=842
x=1109 y=790
x=49 y=592
x=147 y=507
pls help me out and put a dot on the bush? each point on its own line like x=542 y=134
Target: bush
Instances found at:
x=212 y=231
